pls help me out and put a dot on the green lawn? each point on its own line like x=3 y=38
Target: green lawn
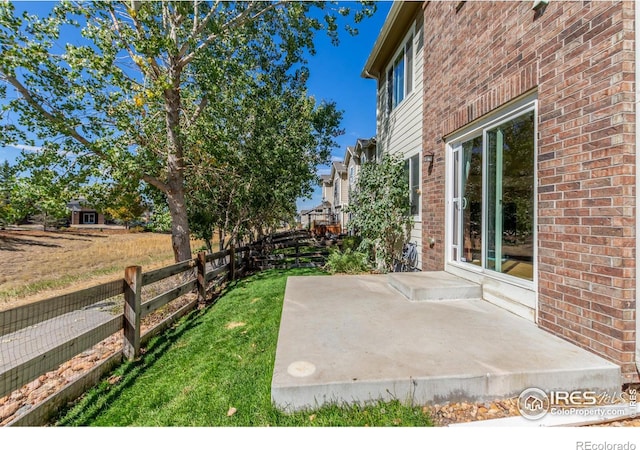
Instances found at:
x=214 y=360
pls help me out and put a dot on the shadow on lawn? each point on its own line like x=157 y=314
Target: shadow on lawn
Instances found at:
x=97 y=400
x=15 y=241
x=17 y=244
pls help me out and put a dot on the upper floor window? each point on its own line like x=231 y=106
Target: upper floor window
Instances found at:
x=400 y=76
x=398 y=80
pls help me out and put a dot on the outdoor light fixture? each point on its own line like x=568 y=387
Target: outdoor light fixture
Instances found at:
x=428 y=159
x=539 y=4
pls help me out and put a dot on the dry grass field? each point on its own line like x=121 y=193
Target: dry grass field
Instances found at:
x=35 y=264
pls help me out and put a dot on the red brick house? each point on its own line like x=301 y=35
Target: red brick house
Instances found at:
x=529 y=168
x=83 y=214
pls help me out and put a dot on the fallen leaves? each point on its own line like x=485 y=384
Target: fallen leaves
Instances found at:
x=114 y=379
x=232 y=325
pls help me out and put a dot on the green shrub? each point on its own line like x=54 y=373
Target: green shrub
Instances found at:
x=349 y=261
x=380 y=210
x=350 y=243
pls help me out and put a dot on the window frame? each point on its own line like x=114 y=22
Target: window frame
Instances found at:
x=415 y=193
x=93 y=219
x=510 y=111
x=405 y=58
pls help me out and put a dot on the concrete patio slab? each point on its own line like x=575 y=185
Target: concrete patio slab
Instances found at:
x=354 y=339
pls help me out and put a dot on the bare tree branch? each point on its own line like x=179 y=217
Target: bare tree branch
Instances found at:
x=135 y=58
x=198 y=27
x=240 y=19
x=141 y=36
x=201 y=106
x=153 y=181
x=56 y=117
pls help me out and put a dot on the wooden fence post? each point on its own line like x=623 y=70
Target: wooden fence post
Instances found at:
x=232 y=263
x=201 y=264
x=297 y=253
x=132 y=302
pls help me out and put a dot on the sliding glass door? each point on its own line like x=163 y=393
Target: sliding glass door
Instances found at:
x=492 y=197
x=467 y=201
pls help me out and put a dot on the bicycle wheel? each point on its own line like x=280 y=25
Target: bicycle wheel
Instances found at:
x=412 y=258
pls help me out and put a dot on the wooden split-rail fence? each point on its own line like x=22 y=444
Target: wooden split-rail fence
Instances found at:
x=202 y=274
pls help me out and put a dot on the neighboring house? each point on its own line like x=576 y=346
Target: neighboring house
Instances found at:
x=355 y=157
x=397 y=62
x=303 y=218
x=530 y=128
x=83 y=214
x=340 y=185
x=327 y=188
x=318 y=219
x=352 y=167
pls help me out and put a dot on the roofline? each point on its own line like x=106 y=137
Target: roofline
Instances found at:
x=393 y=30
x=348 y=155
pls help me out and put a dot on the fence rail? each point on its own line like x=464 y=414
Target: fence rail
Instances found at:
x=15 y=319
x=201 y=275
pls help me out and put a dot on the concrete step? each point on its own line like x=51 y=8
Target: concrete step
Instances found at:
x=433 y=286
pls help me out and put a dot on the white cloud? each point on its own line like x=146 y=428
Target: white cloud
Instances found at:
x=26 y=148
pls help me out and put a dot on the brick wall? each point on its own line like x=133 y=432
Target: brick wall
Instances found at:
x=579 y=56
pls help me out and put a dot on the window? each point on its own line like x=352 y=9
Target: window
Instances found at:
x=88 y=218
x=398 y=80
x=400 y=76
x=412 y=173
x=492 y=195
x=409 y=53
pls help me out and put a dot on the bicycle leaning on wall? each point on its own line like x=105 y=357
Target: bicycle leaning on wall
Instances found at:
x=409 y=259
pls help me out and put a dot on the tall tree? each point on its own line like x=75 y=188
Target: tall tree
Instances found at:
x=122 y=203
x=7 y=186
x=42 y=196
x=254 y=166
x=127 y=100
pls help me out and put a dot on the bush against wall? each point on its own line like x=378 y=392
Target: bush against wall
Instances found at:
x=380 y=210
x=347 y=261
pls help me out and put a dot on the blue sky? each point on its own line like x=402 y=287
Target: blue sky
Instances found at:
x=334 y=76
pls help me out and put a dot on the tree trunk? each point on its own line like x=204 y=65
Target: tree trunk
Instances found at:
x=180 y=239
